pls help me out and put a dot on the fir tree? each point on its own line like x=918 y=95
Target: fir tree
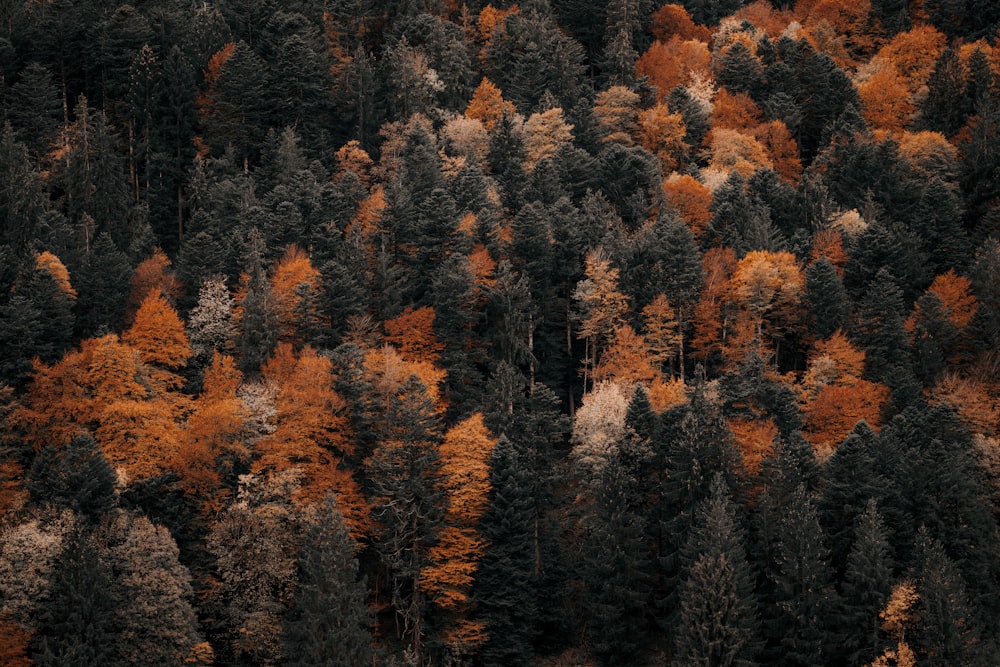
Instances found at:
x=329 y=623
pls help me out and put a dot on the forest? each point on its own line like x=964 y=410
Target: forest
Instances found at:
x=560 y=333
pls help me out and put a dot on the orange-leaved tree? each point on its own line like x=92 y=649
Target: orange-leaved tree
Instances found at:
x=311 y=433
x=835 y=397
x=488 y=105
x=295 y=286
x=626 y=360
x=152 y=273
x=692 y=201
x=212 y=443
x=600 y=307
x=449 y=576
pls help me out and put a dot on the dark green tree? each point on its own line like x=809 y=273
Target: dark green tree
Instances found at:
x=829 y=306
x=719 y=622
x=75 y=476
x=102 y=285
x=329 y=624
x=76 y=625
x=20 y=339
x=258 y=329
x=865 y=588
x=35 y=108
x=616 y=569
x=940 y=112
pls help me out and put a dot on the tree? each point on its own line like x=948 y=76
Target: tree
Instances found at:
x=616 y=568
x=76 y=476
x=158 y=334
x=76 y=625
x=828 y=303
x=488 y=105
x=801 y=598
x=258 y=324
x=329 y=623
x=719 y=624
x=866 y=587
x=600 y=306
x=152 y=593
x=210 y=326
x=405 y=471
x=448 y=580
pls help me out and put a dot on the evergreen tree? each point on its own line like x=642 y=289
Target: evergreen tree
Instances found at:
x=76 y=476
x=866 y=586
x=504 y=587
x=615 y=567
x=940 y=112
x=801 y=599
x=829 y=305
x=19 y=339
x=947 y=633
x=258 y=329
x=719 y=622
x=76 y=626
x=35 y=108
x=102 y=284
x=329 y=623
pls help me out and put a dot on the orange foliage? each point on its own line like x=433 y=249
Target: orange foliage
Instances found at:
x=211 y=75
x=158 y=333
x=465 y=455
x=755 y=438
x=914 y=54
x=929 y=152
x=213 y=433
x=46 y=261
x=736 y=111
x=977 y=406
x=735 y=151
x=617 y=111
x=780 y=145
x=387 y=370
x=671 y=20
x=768 y=285
x=626 y=359
x=413 y=334
x=830 y=244
x=660 y=329
x=369 y=214
x=139 y=438
x=691 y=199
x=311 y=432
x=886 y=99
x=670 y=64
x=488 y=105
x=662 y=134
x=351 y=157
x=762 y=15
x=830 y=416
x=833 y=361
x=293 y=274
x=14 y=644
x=956 y=296
x=490 y=17
x=709 y=327
x=482 y=266
x=153 y=273
x=665 y=394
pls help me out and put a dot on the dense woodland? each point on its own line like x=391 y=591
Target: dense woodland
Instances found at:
x=571 y=332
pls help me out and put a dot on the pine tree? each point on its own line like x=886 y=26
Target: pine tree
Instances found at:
x=615 y=567
x=866 y=588
x=258 y=328
x=76 y=476
x=801 y=597
x=329 y=623
x=102 y=285
x=504 y=587
x=76 y=626
x=719 y=622
x=829 y=306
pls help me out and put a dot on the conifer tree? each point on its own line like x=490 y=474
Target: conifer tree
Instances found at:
x=329 y=623
x=828 y=303
x=866 y=586
x=258 y=327
x=76 y=476
x=719 y=623
x=76 y=626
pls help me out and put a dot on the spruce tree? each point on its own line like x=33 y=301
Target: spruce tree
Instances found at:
x=76 y=476
x=865 y=588
x=829 y=305
x=258 y=328
x=719 y=622
x=76 y=625
x=329 y=624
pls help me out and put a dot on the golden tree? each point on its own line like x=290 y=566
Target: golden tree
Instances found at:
x=488 y=105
